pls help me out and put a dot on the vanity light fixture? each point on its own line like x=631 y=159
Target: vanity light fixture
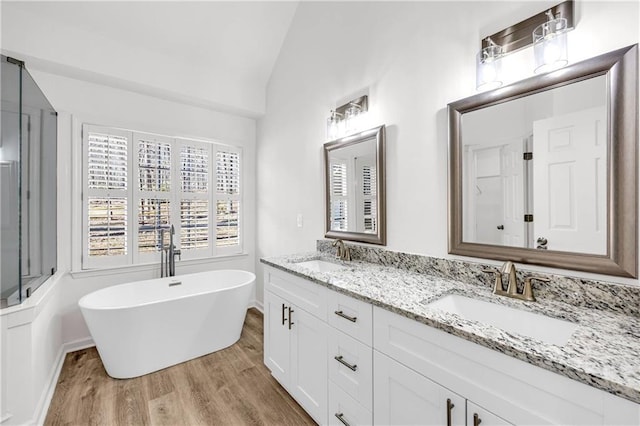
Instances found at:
x=348 y=118
x=550 y=44
x=488 y=66
x=547 y=31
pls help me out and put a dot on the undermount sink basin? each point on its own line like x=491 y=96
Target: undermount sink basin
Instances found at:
x=535 y=326
x=320 y=266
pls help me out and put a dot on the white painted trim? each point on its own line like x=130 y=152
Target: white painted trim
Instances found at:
x=6 y=417
x=151 y=266
x=42 y=408
x=258 y=305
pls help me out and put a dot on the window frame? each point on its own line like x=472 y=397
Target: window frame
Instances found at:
x=133 y=196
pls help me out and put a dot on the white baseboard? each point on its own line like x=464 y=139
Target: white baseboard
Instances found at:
x=45 y=399
x=258 y=305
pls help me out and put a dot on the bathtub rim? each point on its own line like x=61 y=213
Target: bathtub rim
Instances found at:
x=251 y=279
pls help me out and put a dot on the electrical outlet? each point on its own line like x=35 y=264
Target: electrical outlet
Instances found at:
x=299 y=220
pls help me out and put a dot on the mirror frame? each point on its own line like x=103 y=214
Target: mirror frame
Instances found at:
x=621 y=70
x=380 y=237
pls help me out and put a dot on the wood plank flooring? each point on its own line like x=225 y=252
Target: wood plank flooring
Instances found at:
x=228 y=387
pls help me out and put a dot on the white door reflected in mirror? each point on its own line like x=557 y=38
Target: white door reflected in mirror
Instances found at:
x=535 y=171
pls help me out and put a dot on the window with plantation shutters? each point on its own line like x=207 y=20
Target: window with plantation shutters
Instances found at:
x=153 y=160
x=227 y=208
x=106 y=196
x=195 y=231
x=138 y=185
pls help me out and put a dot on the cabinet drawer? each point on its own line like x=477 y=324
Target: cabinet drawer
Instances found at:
x=351 y=367
x=350 y=315
x=344 y=410
x=303 y=293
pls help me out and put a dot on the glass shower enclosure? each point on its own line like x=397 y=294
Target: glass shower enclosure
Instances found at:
x=28 y=182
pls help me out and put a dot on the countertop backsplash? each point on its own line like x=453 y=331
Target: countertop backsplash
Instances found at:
x=616 y=298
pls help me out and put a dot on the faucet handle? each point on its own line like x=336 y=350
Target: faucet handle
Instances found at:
x=527 y=291
x=497 y=285
x=346 y=254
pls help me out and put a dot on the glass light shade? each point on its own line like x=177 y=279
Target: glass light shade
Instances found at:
x=489 y=68
x=352 y=119
x=334 y=126
x=550 y=45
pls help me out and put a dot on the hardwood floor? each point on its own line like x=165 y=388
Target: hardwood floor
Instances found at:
x=228 y=387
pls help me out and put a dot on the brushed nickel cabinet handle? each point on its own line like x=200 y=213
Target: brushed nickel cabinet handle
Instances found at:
x=284 y=319
x=345 y=316
x=450 y=405
x=290 y=322
x=345 y=363
x=340 y=416
x=476 y=419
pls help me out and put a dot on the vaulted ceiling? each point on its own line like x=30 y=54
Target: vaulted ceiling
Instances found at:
x=212 y=53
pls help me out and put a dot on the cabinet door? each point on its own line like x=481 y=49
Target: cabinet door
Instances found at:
x=477 y=416
x=309 y=363
x=277 y=337
x=405 y=397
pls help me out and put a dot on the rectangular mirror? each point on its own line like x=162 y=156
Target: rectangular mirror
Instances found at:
x=545 y=171
x=354 y=187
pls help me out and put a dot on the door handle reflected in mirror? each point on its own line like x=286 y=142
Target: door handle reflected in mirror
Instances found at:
x=501 y=227
x=542 y=243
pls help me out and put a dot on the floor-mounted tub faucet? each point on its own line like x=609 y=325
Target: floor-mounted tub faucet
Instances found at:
x=172 y=253
x=168 y=255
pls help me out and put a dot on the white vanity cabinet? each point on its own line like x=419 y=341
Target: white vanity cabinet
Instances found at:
x=349 y=363
x=413 y=360
x=318 y=346
x=296 y=339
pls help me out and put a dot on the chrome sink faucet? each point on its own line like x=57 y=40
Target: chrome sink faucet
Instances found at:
x=342 y=251
x=509 y=269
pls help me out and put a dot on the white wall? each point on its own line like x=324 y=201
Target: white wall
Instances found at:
x=414 y=58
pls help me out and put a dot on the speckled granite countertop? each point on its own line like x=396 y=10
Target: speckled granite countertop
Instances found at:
x=604 y=351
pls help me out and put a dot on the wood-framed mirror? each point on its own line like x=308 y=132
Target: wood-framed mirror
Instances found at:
x=355 y=187
x=545 y=171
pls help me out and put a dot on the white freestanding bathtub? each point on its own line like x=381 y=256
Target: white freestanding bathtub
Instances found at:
x=145 y=326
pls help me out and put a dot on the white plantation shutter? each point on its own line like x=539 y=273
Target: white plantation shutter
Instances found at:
x=339 y=208
x=153 y=215
x=106 y=197
x=369 y=196
x=139 y=184
x=107 y=226
x=194 y=220
x=195 y=230
x=153 y=167
x=227 y=196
